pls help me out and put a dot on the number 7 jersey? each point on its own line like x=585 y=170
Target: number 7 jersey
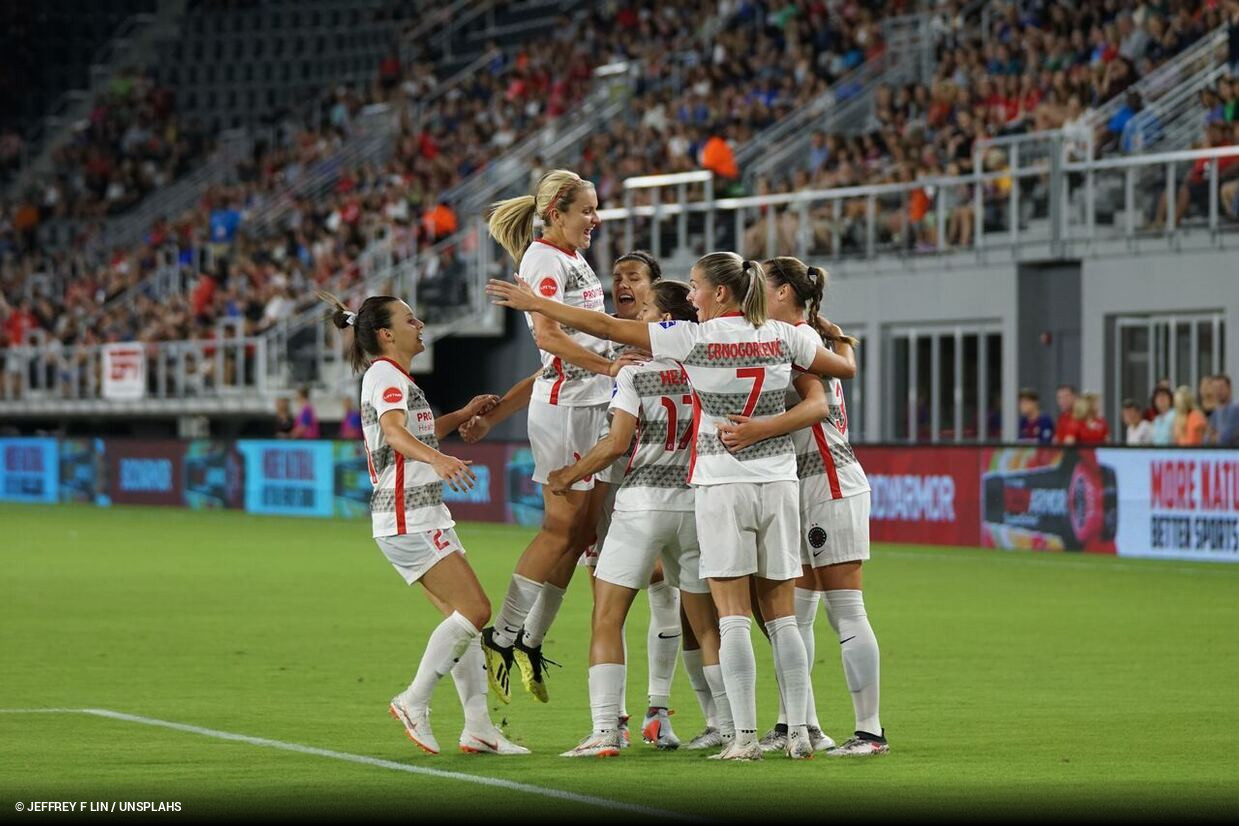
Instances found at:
x=659 y=396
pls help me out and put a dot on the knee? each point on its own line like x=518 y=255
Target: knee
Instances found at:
x=478 y=611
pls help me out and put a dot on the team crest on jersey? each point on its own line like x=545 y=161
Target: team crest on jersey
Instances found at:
x=548 y=287
x=817 y=536
x=666 y=324
x=393 y=395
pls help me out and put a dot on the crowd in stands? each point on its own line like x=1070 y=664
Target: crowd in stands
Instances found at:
x=1172 y=416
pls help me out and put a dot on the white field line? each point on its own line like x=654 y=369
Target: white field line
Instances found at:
x=264 y=742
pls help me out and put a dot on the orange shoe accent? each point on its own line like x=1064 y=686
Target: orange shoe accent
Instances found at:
x=609 y=753
x=650 y=732
x=391 y=709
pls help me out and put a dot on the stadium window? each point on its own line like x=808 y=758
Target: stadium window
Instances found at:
x=944 y=383
x=1178 y=347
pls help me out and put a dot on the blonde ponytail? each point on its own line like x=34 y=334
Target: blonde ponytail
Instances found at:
x=754 y=303
x=510 y=222
x=744 y=280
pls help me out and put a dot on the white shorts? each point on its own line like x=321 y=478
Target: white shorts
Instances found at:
x=638 y=539
x=413 y=554
x=749 y=528
x=835 y=531
x=589 y=559
x=559 y=435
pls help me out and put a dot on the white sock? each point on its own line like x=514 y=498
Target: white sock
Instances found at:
x=697 y=679
x=735 y=655
x=662 y=641
x=791 y=667
x=623 y=709
x=447 y=642
x=543 y=613
x=806 y=611
x=522 y=593
x=606 y=686
x=469 y=675
x=718 y=691
x=859 y=648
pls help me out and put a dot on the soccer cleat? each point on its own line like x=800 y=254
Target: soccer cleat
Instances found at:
x=532 y=666
x=489 y=742
x=863 y=744
x=725 y=743
x=498 y=665
x=416 y=725
x=656 y=729
x=711 y=738
x=625 y=737
x=775 y=739
x=597 y=744
x=819 y=739
x=745 y=750
x=799 y=747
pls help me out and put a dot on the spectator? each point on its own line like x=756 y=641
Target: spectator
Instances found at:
x=350 y=423
x=1189 y=423
x=1139 y=431
x=1224 y=422
x=1163 y=423
x=1035 y=426
x=718 y=157
x=1092 y=428
x=283 y=418
x=1207 y=395
x=1065 y=397
x=306 y=426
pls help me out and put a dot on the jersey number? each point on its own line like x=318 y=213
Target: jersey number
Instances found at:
x=673 y=424
x=439 y=541
x=758 y=375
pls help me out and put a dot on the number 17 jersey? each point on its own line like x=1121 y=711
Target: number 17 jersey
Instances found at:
x=659 y=396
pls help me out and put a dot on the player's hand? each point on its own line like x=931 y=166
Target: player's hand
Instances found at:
x=481 y=405
x=515 y=294
x=474 y=430
x=739 y=432
x=559 y=481
x=630 y=358
x=455 y=472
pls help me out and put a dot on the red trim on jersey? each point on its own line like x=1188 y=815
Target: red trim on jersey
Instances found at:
x=636 y=445
x=559 y=382
x=692 y=461
x=828 y=461
x=395 y=364
x=400 y=494
x=569 y=253
x=732 y=314
x=374 y=477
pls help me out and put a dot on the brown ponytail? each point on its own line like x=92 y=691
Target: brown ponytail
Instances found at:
x=374 y=315
x=809 y=285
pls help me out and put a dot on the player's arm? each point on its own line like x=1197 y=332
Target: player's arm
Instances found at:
x=450 y=469
x=517 y=398
x=519 y=296
x=839 y=362
x=478 y=405
x=609 y=448
x=549 y=336
x=742 y=431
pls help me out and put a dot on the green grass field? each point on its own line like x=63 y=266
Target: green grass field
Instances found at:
x=1013 y=684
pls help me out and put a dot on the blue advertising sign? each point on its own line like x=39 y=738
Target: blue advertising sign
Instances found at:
x=288 y=478
x=29 y=470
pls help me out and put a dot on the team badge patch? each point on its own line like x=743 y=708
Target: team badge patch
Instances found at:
x=548 y=287
x=392 y=395
x=666 y=324
x=817 y=536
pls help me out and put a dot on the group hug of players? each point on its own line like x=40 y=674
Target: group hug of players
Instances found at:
x=694 y=443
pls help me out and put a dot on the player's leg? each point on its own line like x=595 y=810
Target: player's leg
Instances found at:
x=701 y=620
x=452 y=582
x=779 y=564
x=607 y=672
x=479 y=735
x=662 y=644
x=841 y=581
x=737 y=663
x=806 y=602
x=694 y=669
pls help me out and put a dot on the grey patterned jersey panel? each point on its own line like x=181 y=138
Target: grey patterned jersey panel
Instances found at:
x=699 y=356
x=769 y=403
x=657 y=476
x=811 y=464
x=709 y=444
x=569 y=371
x=422 y=496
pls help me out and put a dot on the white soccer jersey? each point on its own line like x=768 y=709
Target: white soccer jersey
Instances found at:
x=566 y=277
x=659 y=395
x=735 y=368
x=408 y=495
x=825 y=463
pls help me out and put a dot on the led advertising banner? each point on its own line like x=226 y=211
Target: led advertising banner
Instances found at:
x=928 y=496
x=143 y=472
x=29 y=470
x=214 y=475
x=288 y=478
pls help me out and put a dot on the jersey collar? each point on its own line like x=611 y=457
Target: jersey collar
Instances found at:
x=567 y=252
x=393 y=363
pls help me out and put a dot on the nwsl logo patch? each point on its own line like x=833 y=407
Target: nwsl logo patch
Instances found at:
x=666 y=324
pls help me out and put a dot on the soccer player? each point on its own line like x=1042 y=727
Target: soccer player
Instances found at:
x=746 y=504
x=652 y=520
x=412 y=526
x=834 y=513
x=567 y=409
